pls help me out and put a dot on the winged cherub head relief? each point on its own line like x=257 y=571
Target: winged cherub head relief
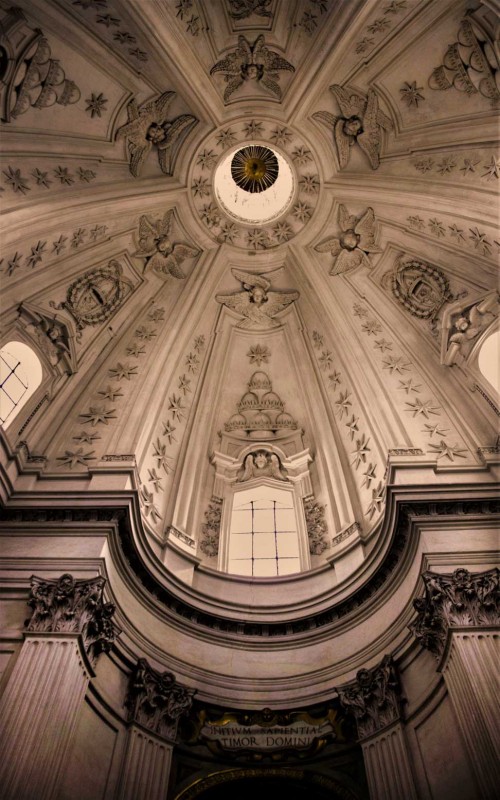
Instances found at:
x=148 y=126
x=163 y=255
x=256 y=303
x=252 y=63
x=356 y=240
x=361 y=122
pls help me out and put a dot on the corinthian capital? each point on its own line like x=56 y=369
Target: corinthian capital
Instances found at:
x=156 y=701
x=458 y=600
x=69 y=605
x=374 y=698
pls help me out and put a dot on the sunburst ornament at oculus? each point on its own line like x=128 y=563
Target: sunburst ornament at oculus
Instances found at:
x=254 y=168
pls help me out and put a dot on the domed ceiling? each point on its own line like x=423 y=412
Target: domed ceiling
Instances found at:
x=329 y=317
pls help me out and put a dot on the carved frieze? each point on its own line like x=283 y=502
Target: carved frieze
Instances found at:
x=71 y=605
x=256 y=303
x=361 y=122
x=351 y=248
x=240 y=9
x=156 y=701
x=374 y=698
x=462 y=599
x=252 y=62
x=147 y=126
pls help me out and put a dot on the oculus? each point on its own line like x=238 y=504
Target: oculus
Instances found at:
x=254 y=168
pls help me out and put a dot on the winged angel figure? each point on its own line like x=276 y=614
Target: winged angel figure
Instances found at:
x=256 y=304
x=356 y=240
x=252 y=63
x=154 y=243
x=148 y=126
x=361 y=122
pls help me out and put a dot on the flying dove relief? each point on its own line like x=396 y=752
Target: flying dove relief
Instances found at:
x=256 y=304
x=148 y=126
x=361 y=123
x=164 y=256
x=252 y=63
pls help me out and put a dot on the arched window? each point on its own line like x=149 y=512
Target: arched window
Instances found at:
x=263 y=533
x=488 y=360
x=20 y=375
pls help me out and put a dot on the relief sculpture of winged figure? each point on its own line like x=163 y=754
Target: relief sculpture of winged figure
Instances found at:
x=256 y=304
x=147 y=126
x=361 y=123
x=252 y=63
x=355 y=242
x=164 y=256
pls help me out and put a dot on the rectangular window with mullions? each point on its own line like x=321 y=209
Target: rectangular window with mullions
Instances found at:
x=263 y=540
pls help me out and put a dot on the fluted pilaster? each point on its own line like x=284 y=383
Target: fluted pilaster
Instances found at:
x=387 y=765
x=458 y=621
x=146 y=766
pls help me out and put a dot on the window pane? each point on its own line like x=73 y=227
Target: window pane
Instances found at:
x=287 y=566
x=265 y=568
x=264 y=545
x=288 y=544
x=241 y=521
x=240 y=546
x=263 y=521
x=240 y=567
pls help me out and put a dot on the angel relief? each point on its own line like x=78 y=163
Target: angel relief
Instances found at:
x=361 y=123
x=252 y=63
x=163 y=256
x=256 y=304
x=148 y=126
x=262 y=464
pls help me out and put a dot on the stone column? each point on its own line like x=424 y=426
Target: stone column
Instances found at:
x=155 y=703
x=69 y=627
x=374 y=699
x=458 y=621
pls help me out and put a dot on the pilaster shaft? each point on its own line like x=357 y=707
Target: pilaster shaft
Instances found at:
x=387 y=766
x=38 y=712
x=146 y=767
x=470 y=671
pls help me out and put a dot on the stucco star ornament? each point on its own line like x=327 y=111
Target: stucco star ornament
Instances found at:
x=148 y=126
x=356 y=240
x=163 y=255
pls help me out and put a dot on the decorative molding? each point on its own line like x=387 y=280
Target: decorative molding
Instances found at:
x=458 y=600
x=374 y=698
x=477 y=388
x=256 y=303
x=361 y=122
x=252 y=62
x=156 y=701
x=364 y=596
x=147 y=126
x=71 y=605
x=345 y=534
x=177 y=534
x=241 y=9
x=405 y=451
x=356 y=240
